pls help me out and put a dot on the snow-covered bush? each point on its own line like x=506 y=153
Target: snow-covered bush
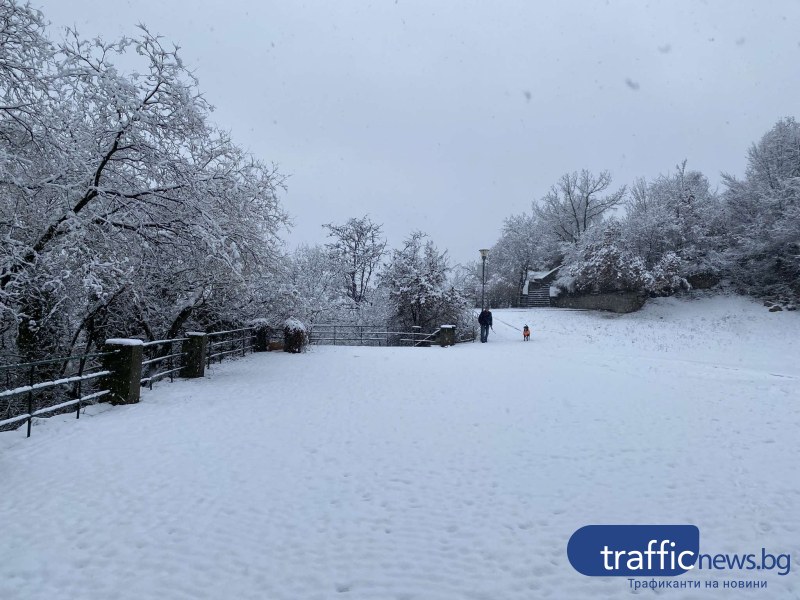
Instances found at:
x=601 y=262
x=295 y=336
x=666 y=278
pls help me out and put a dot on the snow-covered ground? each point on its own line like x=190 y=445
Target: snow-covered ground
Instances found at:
x=427 y=474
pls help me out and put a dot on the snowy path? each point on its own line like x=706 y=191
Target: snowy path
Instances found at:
x=420 y=473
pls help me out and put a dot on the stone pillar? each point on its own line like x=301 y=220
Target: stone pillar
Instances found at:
x=447 y=335
x=194 y=359
x=125 y=365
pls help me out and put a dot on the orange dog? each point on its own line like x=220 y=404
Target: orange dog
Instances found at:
x=526 y=333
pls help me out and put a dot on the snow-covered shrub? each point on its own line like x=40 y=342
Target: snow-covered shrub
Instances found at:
x=295 y=336
x=601 y=262
x=666 y=279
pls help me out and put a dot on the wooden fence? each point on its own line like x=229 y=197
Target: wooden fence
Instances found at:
x=47 y=387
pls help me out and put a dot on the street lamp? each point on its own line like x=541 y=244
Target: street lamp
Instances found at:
x=484 y=253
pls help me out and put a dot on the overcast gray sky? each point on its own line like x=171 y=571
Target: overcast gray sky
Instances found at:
x=449 y=116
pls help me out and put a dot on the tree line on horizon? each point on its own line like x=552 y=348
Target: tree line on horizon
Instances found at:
x=663 y=235
x=127 y=213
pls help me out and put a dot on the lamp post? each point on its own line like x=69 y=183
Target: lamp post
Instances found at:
x=484 y=253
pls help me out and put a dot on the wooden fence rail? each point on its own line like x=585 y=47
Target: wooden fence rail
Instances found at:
x=116 y=374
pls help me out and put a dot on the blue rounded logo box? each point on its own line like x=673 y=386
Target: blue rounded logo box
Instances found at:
x=634 y=550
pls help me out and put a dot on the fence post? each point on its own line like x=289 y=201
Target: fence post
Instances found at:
x=125 y=364
x=194 y=354
x=447 y=335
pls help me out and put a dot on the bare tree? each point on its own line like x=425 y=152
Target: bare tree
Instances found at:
x=576 y=203
x=357 y=248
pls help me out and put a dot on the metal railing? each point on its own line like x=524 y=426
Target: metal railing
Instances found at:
x=348 y=335
x=160 y=358
x=334 y=334
x=421 y=339
x=230 y=342
x=47 y=395
x=33 y=389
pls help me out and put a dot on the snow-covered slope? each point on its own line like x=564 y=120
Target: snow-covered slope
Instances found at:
x=421 y=473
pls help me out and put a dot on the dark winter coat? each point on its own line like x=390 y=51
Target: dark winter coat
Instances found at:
x=485 y=318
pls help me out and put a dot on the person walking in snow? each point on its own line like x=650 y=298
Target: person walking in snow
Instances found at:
x=485 y=321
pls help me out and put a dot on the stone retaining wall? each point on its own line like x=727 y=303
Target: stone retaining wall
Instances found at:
x=618 y=302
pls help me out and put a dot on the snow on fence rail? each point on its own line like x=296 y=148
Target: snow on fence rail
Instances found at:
x=28 y=401
x=35 y=389
x=162 y=355
x=118 y=373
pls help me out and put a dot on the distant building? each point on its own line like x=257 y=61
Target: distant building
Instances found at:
x=536 y=289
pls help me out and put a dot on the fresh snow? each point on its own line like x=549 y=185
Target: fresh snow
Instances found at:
x=124 y=342
x=421 y=473
x=293 y=324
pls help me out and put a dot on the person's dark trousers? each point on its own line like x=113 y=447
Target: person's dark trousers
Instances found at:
x=484 y=333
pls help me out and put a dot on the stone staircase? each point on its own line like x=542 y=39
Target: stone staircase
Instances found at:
x=538 y=295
